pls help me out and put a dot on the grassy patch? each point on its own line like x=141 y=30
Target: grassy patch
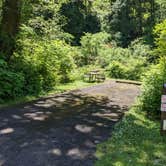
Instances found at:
x=58 y=89
x=136 y=141
x=73 y=85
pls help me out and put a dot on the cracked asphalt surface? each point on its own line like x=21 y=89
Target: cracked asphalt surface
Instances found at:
x=63 y=129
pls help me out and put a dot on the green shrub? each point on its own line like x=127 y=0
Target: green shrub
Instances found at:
x=135 y=51
x=152 y=88
x=160 y=40
x=125 y=63
x=131 y=69
x=78 y=56
x=108 y=54
x=90 y=46
x=11 y=83
x=135 y=68
x=44 y=64
x=36 y=66
x=140 y=49
x=154 y=79
x=116 y=70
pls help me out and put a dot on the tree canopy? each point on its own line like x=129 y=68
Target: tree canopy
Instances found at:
x=46 y=42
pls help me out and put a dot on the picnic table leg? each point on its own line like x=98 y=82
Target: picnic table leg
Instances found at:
x=94 y=78
x=90 y=78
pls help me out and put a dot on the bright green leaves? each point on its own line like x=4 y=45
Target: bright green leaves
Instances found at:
x=44 y=63
x=160 y=32
x=91 y=44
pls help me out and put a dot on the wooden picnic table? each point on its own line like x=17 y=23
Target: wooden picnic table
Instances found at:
x=95 y=75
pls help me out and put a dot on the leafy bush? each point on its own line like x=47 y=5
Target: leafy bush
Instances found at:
x=90 y=46
x=135 y=68
x=140 y=49
x=36 y=66
x=11 y=83
x=122 y=63
x=152 y=87
x=126 y=63
x=116 y=70
x=108 y=54
x=44 y=64
x=160 y=33
x=131 y=70
x=154 y=79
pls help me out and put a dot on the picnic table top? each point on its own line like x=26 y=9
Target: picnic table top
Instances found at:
x=95 y=71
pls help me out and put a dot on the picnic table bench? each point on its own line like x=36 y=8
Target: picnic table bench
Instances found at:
x=94 y=76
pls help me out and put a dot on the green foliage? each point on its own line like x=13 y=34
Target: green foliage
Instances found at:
x=135 y=141
x=160 y=32
x=155 y=78
x=161 y=10
x=90 y=46
x=78 y=19
x=120 y=22
x=102 y=9
x=44 y=64
x=44 y=58
x=11 y=83
x=116 y=70
x=130 y=19
x=44 y=19
x=139 y=48
x=0 y=9
x=109 y=54
x=128 y=63
x=131 y=70
x=152 y=88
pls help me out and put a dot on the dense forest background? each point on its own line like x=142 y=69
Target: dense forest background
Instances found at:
x=44 y=43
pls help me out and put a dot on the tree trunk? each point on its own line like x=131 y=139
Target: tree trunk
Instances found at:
x=140 y=32
x=152 y=11
x=11 y=12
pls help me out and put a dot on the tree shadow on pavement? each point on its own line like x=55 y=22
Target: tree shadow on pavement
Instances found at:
x=60 y=130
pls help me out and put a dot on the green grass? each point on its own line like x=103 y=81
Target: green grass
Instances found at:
x=58 y=89
x=136 y=141
x=73 y=85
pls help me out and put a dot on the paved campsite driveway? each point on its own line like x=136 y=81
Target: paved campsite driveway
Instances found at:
x=63 y=130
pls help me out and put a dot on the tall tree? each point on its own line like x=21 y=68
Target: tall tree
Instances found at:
x=79 y=19
x=11 y=13
x=131 y=19
x=120 y=22
x=161 y=10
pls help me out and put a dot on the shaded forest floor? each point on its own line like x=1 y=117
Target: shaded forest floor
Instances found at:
x=63 y=129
